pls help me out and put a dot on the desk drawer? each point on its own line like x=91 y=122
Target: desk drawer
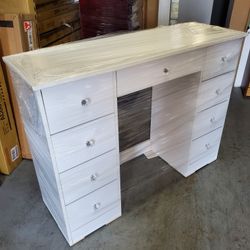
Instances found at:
x=149 y=74
x=215 y=91
x=94 y=205
x=78 y=102
x=222 y=58
x=209 y=120
x=82 y=143
x=89 y=176
x=205 y=145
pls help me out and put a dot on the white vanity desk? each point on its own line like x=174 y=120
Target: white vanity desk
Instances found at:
x=68 y=98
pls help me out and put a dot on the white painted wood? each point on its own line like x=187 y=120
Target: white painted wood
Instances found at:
x=90 y=227
x=89 y=176
x=150 y=74
x=82 y=143
x=36 y=128
x=202 y=162
x=175 y=121
x=209 y=120
x=205 y=145
x=244 y=62
x=135 y=151
x=221 y=59
x=201 y=152
x=78 y=102
x=181 y=111
x=93 y=205
x=215 y=90
x=65 y=63
x=173 y=113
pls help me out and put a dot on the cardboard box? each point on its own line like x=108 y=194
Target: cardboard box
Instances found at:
x=17 y=34
x=240 y=15
x=10 y=155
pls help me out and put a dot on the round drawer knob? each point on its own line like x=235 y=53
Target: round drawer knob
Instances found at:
x=90 y=143
x=97 y=206
x=218 y=92
x=165 y=70
x=208 y=146
x=212 y=120
x=224 y=59
x=94 y=177
x=85 y=102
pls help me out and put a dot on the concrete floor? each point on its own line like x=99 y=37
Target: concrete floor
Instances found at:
x=161 y=209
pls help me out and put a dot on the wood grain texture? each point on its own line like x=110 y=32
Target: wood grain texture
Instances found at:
x=64 y=103
x=93 y=205
x=47 y=176
x=173 y=113
x=99 y=222
x=134 y=115
x=214 y=91
x=209 y=120
x=153 y=73
x=187 y=115
x=71 y=146
x=204 y=145
x=52 y=66
x=221 y=59
x=54 y=22
x=135 y=151
x=89 y=176
x=55 y=36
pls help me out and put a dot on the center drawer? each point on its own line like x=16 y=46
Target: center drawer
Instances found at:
x=74 y=103
x=150 y=74
x=93 y=205
x=85 y=178
x=82 y=143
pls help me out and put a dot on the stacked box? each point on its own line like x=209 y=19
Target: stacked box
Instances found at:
x=102 y=17
x=10 y=155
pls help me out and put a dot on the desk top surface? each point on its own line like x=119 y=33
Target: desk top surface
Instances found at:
x=56 y=65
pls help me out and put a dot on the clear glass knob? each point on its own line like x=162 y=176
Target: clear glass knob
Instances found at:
x=224 y=59
x=218 y=92
x=85 y=102
x=165 y=70
x=90 y=143
x=93 y=177
x=97 y=206
x=212 y=120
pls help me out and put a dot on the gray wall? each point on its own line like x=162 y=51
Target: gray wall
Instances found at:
x=195 y=10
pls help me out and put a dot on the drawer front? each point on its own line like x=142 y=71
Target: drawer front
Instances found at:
x=89 y=176
x=205 y=145
x=149 y=74
x=78 y=102
x=215 y=91
x=209 y=120
x=82 y=143
x=222 y=58
x=93 y=205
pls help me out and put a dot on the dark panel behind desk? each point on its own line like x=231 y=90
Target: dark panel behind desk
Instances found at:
x=134 y=113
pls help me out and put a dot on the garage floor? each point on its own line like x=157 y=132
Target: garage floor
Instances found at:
x=161 y=209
